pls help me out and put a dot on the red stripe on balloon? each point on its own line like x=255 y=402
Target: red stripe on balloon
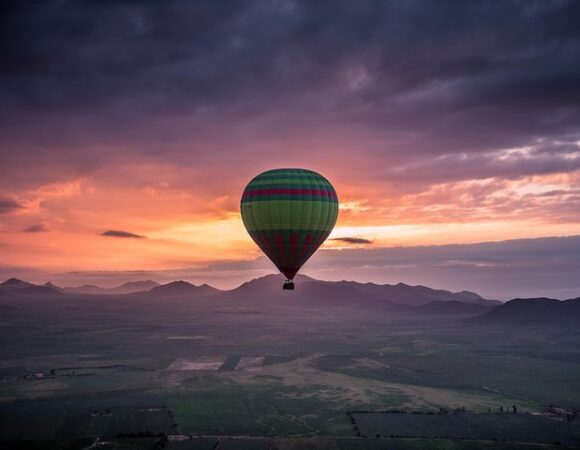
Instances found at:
x=305 y=246
x=293 y=247
x=268 y=248
x=266 y=239
x=280 y=243
x=265 y=192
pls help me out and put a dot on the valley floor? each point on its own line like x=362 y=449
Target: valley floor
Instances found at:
x=140 y=374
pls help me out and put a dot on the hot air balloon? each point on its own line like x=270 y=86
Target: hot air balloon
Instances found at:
x=289 y=213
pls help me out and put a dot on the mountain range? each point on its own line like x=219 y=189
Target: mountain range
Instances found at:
x=125 y=288
x=347 y=292
x=16 y=287
x=401 y=299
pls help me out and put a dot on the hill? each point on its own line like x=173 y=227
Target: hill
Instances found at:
x=182 y=289
x=125 y=288
x=399 y=298
x=416 y=295
x=268 y=289
x=16 y=287
x=136 y=286
x=534 y=311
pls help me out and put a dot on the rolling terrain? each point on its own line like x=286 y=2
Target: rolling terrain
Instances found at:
x=533 y=311
x=184 y=366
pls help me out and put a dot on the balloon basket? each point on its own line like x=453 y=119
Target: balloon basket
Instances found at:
x=288 y=286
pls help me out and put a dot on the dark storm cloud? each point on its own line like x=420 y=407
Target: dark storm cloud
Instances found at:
x=430 y=78
x=121 y=234
x=8 y=205
x=38 y=228
x=353 y=240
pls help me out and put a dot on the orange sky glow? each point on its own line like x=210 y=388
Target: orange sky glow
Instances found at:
x=129 y=131
x=185 y=225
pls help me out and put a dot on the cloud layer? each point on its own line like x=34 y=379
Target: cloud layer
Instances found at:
x=437 y=122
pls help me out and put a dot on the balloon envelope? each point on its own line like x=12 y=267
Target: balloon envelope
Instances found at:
x=289 y=213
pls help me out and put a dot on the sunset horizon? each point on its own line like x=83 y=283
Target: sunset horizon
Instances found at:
x=435 y=266
x=290 y=224
x=126 y=149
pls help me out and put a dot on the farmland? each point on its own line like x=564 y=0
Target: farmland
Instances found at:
x=507 y=427
x=281 y=376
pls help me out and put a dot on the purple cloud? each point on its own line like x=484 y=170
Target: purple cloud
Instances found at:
x=121 y=234
x=38 y=228
x=7 y=206
x=353 y=240
x=367 y=77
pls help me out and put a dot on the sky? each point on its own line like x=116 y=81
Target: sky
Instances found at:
x=129 y=130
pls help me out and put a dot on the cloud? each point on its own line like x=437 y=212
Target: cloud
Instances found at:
x=121 y=234
x=352 y=240
x=369 y=68
x=38 y=228
x=8 y=206
x=299 y=75
x=536 y=159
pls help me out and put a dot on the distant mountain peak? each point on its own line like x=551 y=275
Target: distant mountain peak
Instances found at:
x=183 y=288
x=178 y=284
x=126 y=288
x=398 y=296
x=405 y=294
x=537 y=311
x=16 y=283
x=14 y=286
x=140 y=283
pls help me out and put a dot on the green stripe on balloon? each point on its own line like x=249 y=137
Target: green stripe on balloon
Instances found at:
x=272 y=197
x=280 y=215
x=286 y=182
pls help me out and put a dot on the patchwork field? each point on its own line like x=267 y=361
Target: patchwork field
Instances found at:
x=509 y=427
x=180 y=375
x=203 y=363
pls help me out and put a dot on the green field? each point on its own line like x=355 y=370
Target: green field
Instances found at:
x=276 y=372
x=501 y=427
